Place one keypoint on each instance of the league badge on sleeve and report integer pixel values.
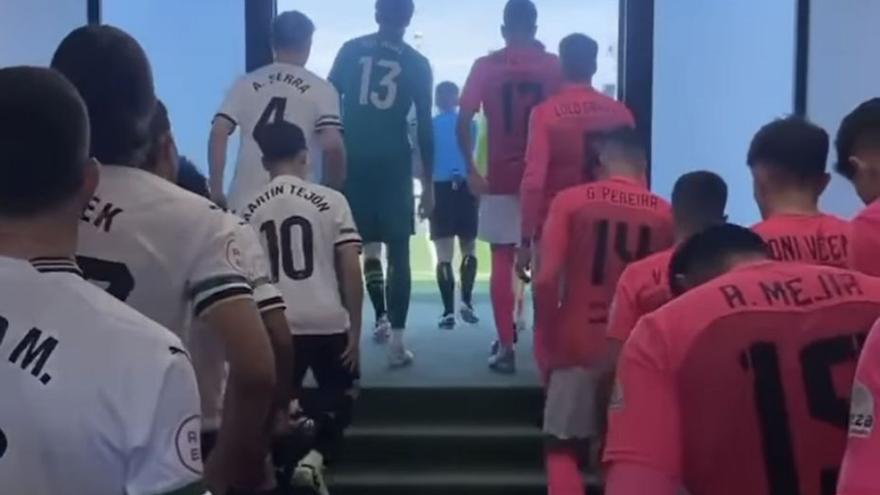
(188, 440)
(234, 256)
(861, 414)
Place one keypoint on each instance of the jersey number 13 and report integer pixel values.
(383, 97)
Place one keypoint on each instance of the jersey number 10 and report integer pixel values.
(281, 247)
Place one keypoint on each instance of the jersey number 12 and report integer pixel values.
(280, 246)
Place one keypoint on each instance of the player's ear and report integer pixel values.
(91, 177)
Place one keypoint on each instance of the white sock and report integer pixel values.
(397, 337)
(314, 459)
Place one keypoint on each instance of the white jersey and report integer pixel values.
(97, 399)
(206, 349)
(302, 225)
(275, 92)
(166, 252)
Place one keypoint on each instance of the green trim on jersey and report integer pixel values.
(197, 488)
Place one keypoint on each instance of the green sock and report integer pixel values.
(375, 278)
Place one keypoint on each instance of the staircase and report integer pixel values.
(443, 441)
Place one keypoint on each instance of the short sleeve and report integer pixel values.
(170, 460)
(266, 295)
(230, 109)
(328, 114)
(858, 475)
(624, 308)
(219, 272)
(472, 94)
(643, 416)
(865, 243)
(346, 231)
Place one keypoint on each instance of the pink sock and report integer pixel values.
(501, 292)
(563, 474)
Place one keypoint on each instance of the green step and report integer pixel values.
(444, 483)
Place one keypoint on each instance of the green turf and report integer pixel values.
(421, 259)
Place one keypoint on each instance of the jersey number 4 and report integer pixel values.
(281, 247)
(383, 97)
(823, 404)
(114, 277)
(273, 113)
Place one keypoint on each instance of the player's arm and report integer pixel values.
(424, 123)
(858, 474)
(224, 124)
(535, 175)
(168, 458)
(644, 432)
(469, 104)
(328, 127)
(337, 74)
(554, 250)
(351, 286)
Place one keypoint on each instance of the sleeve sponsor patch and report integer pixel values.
(861, 414)
(188, 440)
(234, 256)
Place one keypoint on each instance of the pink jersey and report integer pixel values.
(508, 84)
(859, 474)
(560, 151)
(643, 287)
(741, 386)
(818, 239)
(866, 240)
(593, 231)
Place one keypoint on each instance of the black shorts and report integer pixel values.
(455, 211)
(323, 355)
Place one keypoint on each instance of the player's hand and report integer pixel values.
(477, 184)
(351, 357)
(426, 202)
(524, 263)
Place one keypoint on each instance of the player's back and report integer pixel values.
(302, 224)
(642, 288)
(164, 251)
(818, 239)
(82, 381)
(611, 223)
(509, 83)
(379, 81)
(866, 240)
(576, 117)
(761, 361)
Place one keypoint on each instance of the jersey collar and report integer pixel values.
(627, 180)
(56, 265)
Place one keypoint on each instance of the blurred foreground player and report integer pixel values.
(592, 232)
(698, 202)
(455, 210)
(788, 158)
(314, 249)
(166, 252)
(506, 84)
(97, 398)
(380, 78)
(563, 132)
(858, 159)
(281, 91)
(741, 384)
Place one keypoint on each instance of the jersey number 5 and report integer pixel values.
(621, 247)
(823, 404)
(117, 277)
(388, 83)
(273, 113)
(283, 250)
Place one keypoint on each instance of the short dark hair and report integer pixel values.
(447, 87)
(44, 141)
(710, 249)
(394, 13)
(628, 139)
(861, 125)
(793, 146)
(280, 140)
(700, 198)
(160, 125)
(578, 54)
(292, 30)
(189, 178)
(112, 73)
(521, 15)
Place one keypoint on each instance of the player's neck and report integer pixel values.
(289, 59)
(588, 84)
(517, 42)
(392, 35)
(291, 171)
(38, 238)
(792, 204)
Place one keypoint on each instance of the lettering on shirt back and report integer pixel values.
(620, 197)
(100, 214)
(791, 292)
(31, 353)
(314, 198)
(820, 248)
(578, 109)
(291, 80)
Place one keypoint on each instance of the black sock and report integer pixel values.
(375, 278)
(446, 283)
(468, 276)
(399, 286)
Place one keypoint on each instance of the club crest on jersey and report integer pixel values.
(188, 442)
(616, 400)
(234, 256)
(861, 414)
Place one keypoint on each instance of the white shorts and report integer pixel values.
(570, 407)
(500, 219)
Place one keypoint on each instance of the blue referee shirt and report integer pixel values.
(449, 165)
